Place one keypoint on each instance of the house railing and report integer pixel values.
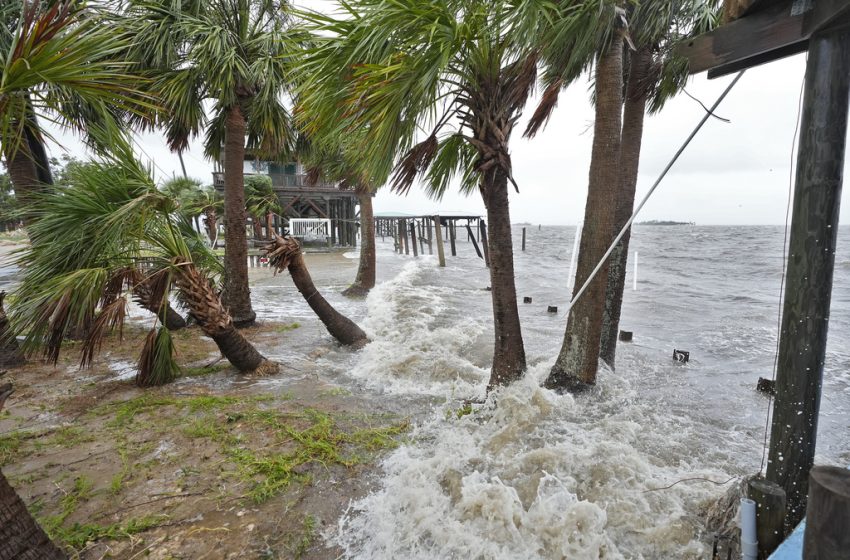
(280, 180)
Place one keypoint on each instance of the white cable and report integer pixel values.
(652, 190)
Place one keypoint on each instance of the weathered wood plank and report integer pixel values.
(775, 31)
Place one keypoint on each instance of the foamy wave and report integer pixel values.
(531, 474)
(414, 348)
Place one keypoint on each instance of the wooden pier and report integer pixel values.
(418, 234)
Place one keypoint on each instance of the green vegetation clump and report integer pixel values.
(79, 535)
(320, 442)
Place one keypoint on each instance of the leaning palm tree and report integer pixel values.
(60, 63)
(285, 254)
(336, 160)
(93, 243)
(654, 74)
(233, 53)
(459, 69)
(21, 538)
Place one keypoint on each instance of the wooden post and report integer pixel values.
(403, 227)
(770, 513)
(441, 255)
(523, 239)
(471, 236)
(413, 238)
(452, 234)
(827, 535)
(811, 260)
(428, 225)
(484, 243)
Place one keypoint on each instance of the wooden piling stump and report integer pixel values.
(441, 255)
(827, 534)
(770, 514)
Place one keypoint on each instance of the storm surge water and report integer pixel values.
(621, 472)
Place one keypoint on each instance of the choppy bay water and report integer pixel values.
(532, 474)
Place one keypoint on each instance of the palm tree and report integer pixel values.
(262, 203)
(285, 254)
(234, 53)
(21, 538)
(334, 160)
(185, 191)
(93, 243)
(460, 68)
(84, 92)
(210, 204)
(655, 74)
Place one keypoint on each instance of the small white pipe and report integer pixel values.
(574, 256)
(634, 276)
(749, 539)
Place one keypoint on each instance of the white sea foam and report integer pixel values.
(531, 474)
(416, 346)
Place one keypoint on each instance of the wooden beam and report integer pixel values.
(315, 207)
(288, 206)
(779, 30)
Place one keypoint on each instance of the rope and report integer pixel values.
(782, 282)
(640, 206)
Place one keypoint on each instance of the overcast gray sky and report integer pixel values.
(732, 173)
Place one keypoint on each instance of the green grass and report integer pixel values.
(308, 533)
(126, 411)
(10, 444)
(200, 371)
(335, 392)
(79, 534)
(310, 438)
(285, 328)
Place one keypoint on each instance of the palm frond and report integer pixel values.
(157, 365)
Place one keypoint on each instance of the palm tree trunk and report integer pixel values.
(28, 166)
(258, 227)
(10, 352)
(22, 172)
(207, 308)
(20, 536)
(212, 224)
(633, 116)
(509, 351)
(366, 270)
(269, 224)
(285, 252)
(236, 295)
(142, 294)
(578, 360)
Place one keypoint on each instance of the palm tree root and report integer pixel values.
(562, 381)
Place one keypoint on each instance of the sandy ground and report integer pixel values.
(215, 465)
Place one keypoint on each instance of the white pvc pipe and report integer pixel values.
(634, 276)
(749, 539)
(574, 256)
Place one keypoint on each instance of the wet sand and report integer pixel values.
(215, 465)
